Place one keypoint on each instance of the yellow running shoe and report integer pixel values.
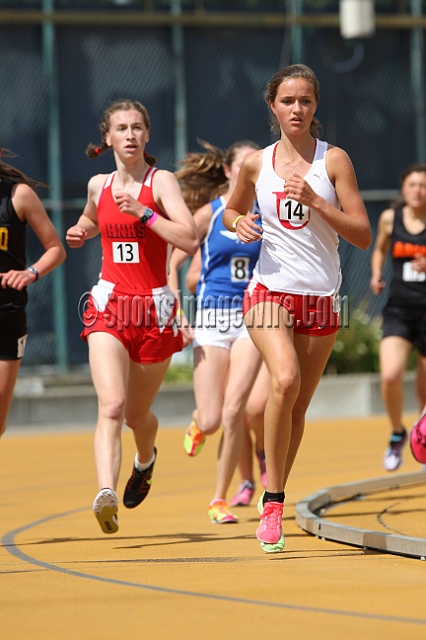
(219, 513)
(193, 440)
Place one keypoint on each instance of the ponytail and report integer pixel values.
(150, 160)
(201, 176)
(94, 151)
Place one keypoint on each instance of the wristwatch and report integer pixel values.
(147, 214)
(34, 271)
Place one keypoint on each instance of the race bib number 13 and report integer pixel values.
(125, 252)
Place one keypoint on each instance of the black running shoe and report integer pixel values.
(138, 485)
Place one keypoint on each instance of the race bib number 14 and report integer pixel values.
(292, 214)
(125, 252)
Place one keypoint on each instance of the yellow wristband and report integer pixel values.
(235, 222)
(180, 312)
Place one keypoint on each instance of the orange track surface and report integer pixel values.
(169, 574)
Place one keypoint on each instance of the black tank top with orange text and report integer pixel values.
(408, 287)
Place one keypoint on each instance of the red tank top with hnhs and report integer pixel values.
(134, 257)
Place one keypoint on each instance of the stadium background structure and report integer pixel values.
(200, 67)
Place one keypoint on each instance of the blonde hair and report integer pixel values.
(201, 173)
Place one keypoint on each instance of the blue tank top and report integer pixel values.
(227, 264)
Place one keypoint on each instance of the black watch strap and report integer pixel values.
(34, 271)
(147, 214)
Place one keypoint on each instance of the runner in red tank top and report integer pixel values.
(129, 320)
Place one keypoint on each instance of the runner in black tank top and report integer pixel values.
(12, 249)
(408, 287)
(19, 206)
(402, 232)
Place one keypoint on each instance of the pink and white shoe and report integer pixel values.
(244, 494)
(269, 532)
(418, 439)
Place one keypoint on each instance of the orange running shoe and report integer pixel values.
(219, 513)
(193, 440)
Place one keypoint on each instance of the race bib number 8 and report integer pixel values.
(125, 252)
(240, 269)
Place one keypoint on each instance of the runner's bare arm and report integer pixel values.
(87, 226)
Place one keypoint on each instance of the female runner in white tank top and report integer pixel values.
(308, 196)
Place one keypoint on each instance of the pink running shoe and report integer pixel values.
(244, 494)
(262, 466)
(269, 532)
(418, 439)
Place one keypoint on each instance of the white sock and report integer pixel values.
(143, 466)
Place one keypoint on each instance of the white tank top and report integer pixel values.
(299, 250)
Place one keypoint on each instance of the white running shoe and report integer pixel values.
(105, 508)
(392, 459)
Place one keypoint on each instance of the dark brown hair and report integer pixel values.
(15, 175)
(292, 71)
(94, 151)
(201, 173)
(417, 167)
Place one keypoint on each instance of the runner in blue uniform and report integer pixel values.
(226, 362)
